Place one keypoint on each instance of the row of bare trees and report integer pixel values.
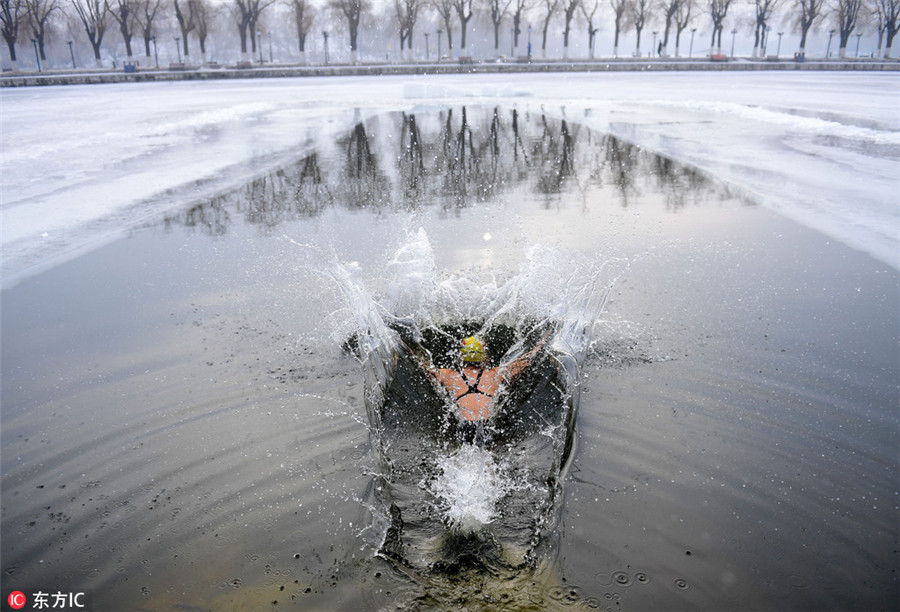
(194, 20)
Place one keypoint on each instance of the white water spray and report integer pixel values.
(469, 486)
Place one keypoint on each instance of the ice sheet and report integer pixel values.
(83, 164)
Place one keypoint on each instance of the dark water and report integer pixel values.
(181, 428)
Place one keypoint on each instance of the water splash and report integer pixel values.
(469, 486)
(505, 491)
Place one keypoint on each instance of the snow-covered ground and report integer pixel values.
(83, 164)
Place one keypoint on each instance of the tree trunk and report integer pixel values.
(544, 40)
(889, 44)
(11, 45)
(242, 30)
(40, 42)
(803, 32)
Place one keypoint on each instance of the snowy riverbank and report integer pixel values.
(255, 71)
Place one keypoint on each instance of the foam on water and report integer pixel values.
(469, 486)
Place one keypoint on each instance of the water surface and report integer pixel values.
(182, 427)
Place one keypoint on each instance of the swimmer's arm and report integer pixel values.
(518, 365)
(423, 357)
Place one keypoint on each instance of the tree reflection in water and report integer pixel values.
(455, 159)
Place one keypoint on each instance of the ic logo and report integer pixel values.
(16, 600)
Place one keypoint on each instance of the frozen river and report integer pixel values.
(186, 266)
(819, 148)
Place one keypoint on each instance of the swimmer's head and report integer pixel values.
(473, 350)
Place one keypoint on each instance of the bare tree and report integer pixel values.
(498, 10)
(620, 12)
(187, 23)
(246, 14)
(204, 12)
(407, 13)
(520, 7)
(303, 20)
(847, 13)
(464, 12)
(568, 14)
(589, 18)
(877, 18)
(808, 12)
(718, 10)
(550, 7)
(144, 14)
(11, 14)
(683, 16)
(39, 12)
(444, 8)
(93, 14)
(123, 12)
(669, 8)
(352, 10)
(764, 9)
(640, 15)
(889, 15)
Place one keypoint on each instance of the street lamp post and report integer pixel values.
(178, 48)
(858, 36)
(72, 53)
(691, 50)
(512, 42)
(426, 46)
(733, 32)
(259, 45)
(529, 43)
(325, 36)
(37, 57)
(778, 53)
(269, 34)
(828, 49)
(155, 51)
(439, 32)
(653, 48)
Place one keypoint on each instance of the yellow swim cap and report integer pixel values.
(473, 350)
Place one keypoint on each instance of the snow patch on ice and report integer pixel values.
(793, 121)
(416, 90)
